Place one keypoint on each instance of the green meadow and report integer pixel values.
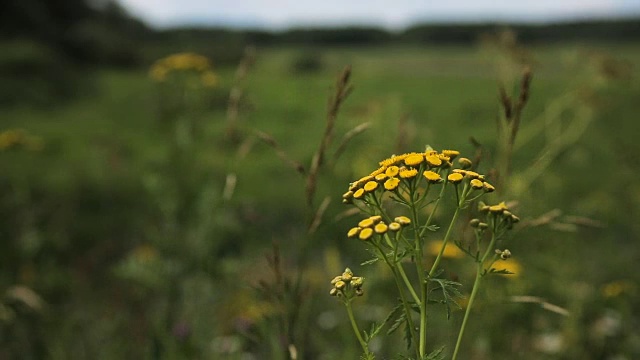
(139, 226)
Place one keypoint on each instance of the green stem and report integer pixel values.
(408, 284)
(474, 291)
(444, 242)
(356, 330)
(403, 298)
(423, 319)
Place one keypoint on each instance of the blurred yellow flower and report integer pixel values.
(616, 288)
(511, 265)
(184, 62)
(451, 251)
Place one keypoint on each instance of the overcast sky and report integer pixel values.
(394, 14)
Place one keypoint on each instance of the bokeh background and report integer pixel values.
(155, 157)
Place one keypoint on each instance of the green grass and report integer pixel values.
(74, 211)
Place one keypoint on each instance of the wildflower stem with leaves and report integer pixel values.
(407, 180)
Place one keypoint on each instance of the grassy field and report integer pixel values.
(120, 225)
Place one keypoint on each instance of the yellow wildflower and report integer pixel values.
(381, 228)
(403, 220)
(358, 194)
(365, 234)
(476, 184)
(353, 232)
(408, 173)
(511, 265)
(394, 226)
(473, 174)
(378, 171)
(392, 171)
(380, 177)
(366, 223)
(432, 177)
(455, 178)
(488, 187)
(451, 251)
(414, 159)
(452, 154)
(433, 160)
(370, 186)
(391, 183)
(465, 163)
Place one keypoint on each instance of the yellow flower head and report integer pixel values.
(454, 178)
(366, 223)
(359, 193)
(414, 159)
(375, 218)
(391, 183)
(380, 177)
(403, 220)
(370, 186)
(498, 209)
(394, 226)
(340, 285)
(381, 228)
(395, 159)
(451, 154)
(476, 184)
(473, 174)
(378, 171)
(433, 160)
(432, 177)
(353, 232)
(488, 187)
(408, 173)
(392, 171)
(365, 234)
(347, 195)
(465, 163)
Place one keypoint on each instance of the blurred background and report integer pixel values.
(158, 199)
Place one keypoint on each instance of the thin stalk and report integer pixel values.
(403, 298)
(472, 297)
(474, 291)
(408, 284)
(423, 284)
(423, 318)
(356, 330)
(444, 242)
(461, 200)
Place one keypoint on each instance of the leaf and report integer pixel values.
(396, 324)
(450, 291)
(375, 328)
(437, 354)
(370, 261)
(407, 335)
(468, 251)
(500, 272)
(433, 227)
(368, 356)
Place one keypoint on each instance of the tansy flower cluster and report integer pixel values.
(347, 285)
(401, 174)
(184, 63)
(374, 225)
(499, 215)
